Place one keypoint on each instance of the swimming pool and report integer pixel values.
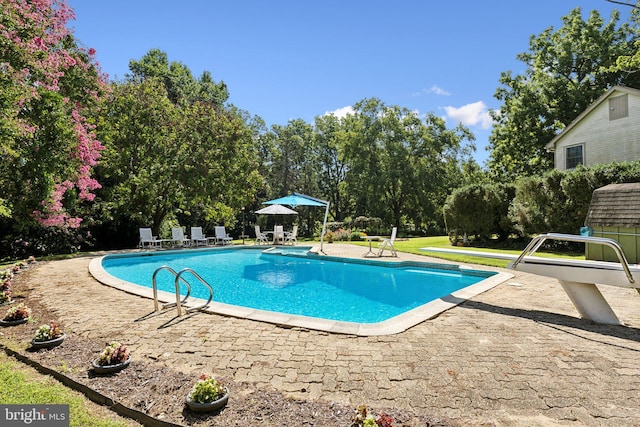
(306, 287)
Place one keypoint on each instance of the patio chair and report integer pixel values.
(178, 238)
(147, 238)
(260, 236)
(278, 234)
(197, 237)
(221, 236)
(388, 243)
(291, 237)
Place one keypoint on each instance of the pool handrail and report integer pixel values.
(155, 289)
(204, 282)
(539, 240)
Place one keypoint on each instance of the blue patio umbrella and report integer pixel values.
(297, 199)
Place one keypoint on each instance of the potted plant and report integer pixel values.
(330, 236)
(5, 293)
(48, 336)
(364, 419)
(16, 315)
(113, 358)
(208, 394)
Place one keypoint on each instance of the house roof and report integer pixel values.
(615, 205)
(552, 144)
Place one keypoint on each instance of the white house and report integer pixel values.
(607, 131)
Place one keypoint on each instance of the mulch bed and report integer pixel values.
(155, 395)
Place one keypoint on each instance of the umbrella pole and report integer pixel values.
(324, 228)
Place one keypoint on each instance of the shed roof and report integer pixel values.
(615, 205)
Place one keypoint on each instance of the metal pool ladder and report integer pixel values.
(179, 279)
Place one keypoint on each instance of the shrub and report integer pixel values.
(356, 236)
(342, 235)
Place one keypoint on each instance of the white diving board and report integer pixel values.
(580, 277)
(577, 277)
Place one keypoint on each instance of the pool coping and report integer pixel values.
(394, 325)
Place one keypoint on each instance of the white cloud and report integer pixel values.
(473, 114)
(340, 112)
(436, 90)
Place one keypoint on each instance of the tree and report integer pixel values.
(624, 4)
(142, 158)
(50, 88)
(400, 167)
(292, 150)
(566, 71)
(166, 160)
(177, 78)
(330, 139)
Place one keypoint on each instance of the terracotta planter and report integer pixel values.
(13, 322)
(216, 405)
(109, 369)
(48, 343)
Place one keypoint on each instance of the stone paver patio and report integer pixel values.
(516, 355)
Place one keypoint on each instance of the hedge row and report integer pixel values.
(556, 202)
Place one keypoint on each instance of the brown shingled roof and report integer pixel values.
(615, 205)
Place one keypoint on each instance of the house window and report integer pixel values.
(618, 107)
(574, 156)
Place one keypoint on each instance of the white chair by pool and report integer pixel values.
(221, 236)
(178, 238)
(388, 243)
(278, 234)
(260, 236)
(291, 237)
(197, 237)
(147, 238)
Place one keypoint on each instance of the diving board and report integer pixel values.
(580, 277)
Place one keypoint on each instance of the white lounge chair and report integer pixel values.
(291, 237)
(388, 243)
(147, 238)
(260, 236)
(197, 237)
(221, 236)
(178, 238)
(278, 234)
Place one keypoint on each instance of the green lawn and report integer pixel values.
(20, 384)
(413, 246)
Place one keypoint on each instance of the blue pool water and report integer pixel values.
(360, 291)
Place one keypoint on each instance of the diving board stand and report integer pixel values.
(580, 277)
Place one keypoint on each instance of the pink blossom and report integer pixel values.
(40, 61)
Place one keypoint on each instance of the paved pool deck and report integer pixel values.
(515, 355)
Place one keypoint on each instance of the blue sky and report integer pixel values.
(284, 60)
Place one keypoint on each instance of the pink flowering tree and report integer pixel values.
(51, 91)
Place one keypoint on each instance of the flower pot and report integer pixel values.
(209, 406)
(109, 369)
(48, 343)
(13, 322)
